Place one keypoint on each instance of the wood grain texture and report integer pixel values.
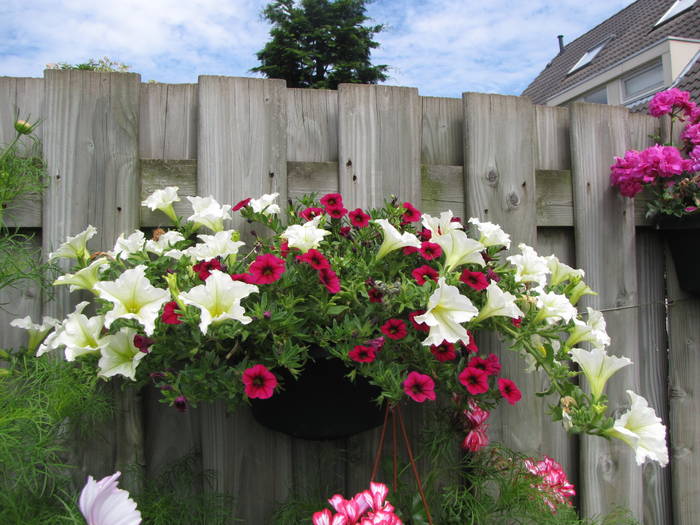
(242, 148)
(553, 149)
(312, 177)
(442, 131)
(653, 364)
(499, 183)
(312, 125)
(379, 144)
(443, 189)
(91, 150)
(168, 123)
(605, 249)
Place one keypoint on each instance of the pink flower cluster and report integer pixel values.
(366, 508)
(475, 420)
(553, 484)
(663, 103)
(637, 168)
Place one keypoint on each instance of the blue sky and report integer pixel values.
(442, 47)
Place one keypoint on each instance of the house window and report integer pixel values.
(587, 57)
(678, 7)
(643, 81)
(599, 96)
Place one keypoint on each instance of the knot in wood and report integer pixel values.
(513, 200)
(492, 176)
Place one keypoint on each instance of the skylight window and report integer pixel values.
(678, 7)
(587, 57)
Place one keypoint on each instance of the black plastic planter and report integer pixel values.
(322, 404)
(683, 237)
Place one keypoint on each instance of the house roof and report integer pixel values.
(628, 32)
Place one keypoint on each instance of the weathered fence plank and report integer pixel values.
(499, 180)
(312, 125)
(442, 131)
(379, 144)
(168, 124)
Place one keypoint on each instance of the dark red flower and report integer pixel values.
(425, 234)
(243, 277)
(337, 213)
(284, 249)
(345, 231)
(377, 343)
(204, 268)
(491, 275)
(156, 375)
(430, 250)
(266, 269)
(475, 280)
(475, 440)
(241, 204)
(471, 346)
(362, 354)
(419, 387)
(444, 351)
(474, 380)
(332, 200)
(358, 218)
(142, 342)
(169, 316)
(421, 327)
(309, 213)
(180, 403)
(411, 214)
(259, 382)
(408, 250)
(375, 296)
(478, 362)
(315, 259)
(394, 329)
(516, 322)
(493, 365)
(329, 279)
(422, 273)
(509, 391)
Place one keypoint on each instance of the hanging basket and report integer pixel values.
(683, 237)
(322, 403)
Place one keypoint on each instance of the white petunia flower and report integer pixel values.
(598, 367)
(134, 297)
(75, 247)
(103, 503)
(305, 236)
(164, 241)
(221, 244)
(491, 234)
(499, 304)
(163, 200)
(84, 279)
(459, 249)
(219, 299)
(642, 430)
(207, 212)
(120, 355)
(37, 332)
(265, 204)
(440, 226)
(561, 272)
(447, 308)
(554, 307)
(529, 267)
(393, 239)
(130, 245)
(593, 330)
(80, 334)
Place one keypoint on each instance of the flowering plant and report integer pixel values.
(669, 171)
(394, 294)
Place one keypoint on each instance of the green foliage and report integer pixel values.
(320, 44)
(104, 64)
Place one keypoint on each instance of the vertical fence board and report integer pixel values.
(154, 99)
(553, 149)
(379, 144)
(442, 131)
(653, 364)
(168, 124)
(8, 108)
(605, 249)
(312, 125)
(499, 180)
(91, 150)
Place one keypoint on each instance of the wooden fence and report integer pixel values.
(540, 172)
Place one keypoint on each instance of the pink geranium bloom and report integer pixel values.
(509, 390)
(332, 200)
(266, 269)
(394, 329)
(475, 440)
(421, 327)
(419, 387)
(691, 134)
(474, 380)
(204, 268)
(309, 213)
(315, 259)
(412, 214)
(663, 102)
(422, 273)
(362, 354)
(329, 279)
(358, 218)
(241, 204)
(430, 250)
(104, 503)
(475, 280)
(444, 351)
(259, 382)
(169, 316)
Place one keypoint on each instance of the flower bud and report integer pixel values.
(23, 127)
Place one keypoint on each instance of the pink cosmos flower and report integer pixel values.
(554, 485)
(358, 218)
(509, 390)
(329, 279)
(104, 503)
(332, 200)
(394, 329)
(309, 213)
(375, 296)
(475, 280)
(474, 380)
(445, 351)
(412, 214)
(259, 382)
(315, 259)
(421, 327)
(419, 387)
(169, 316)
(267, 269)
(430, 250)
(204, 268)
(422, 272)
(362, 354)
(241, 204)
